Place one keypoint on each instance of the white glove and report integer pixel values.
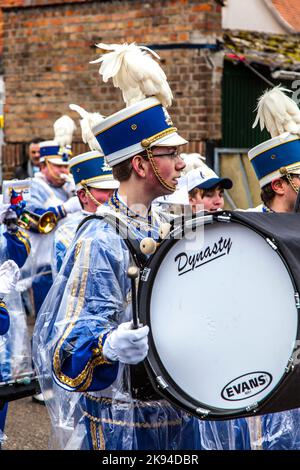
(4, 211)
(72, 205)
(9, 276)
(127, 345)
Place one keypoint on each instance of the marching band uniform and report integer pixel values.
(9, 274)
(86, 319)
(47, 197)
(14, 246)
(89, 170)
(273, 159)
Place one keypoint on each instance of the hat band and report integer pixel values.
(149, 140)
(133, 129)
(271, 160)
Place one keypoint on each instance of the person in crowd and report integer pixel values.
(52, 191)
(276, 161)
(95, 185)
(206, 189)
(84, 332)
(32, 163)
(14, 250)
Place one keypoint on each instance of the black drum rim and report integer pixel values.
(154, 366)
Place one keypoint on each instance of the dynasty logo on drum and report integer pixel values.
(246, 386)
(188, 263)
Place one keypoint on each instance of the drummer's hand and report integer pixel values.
(127, 345)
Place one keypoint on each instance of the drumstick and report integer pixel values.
(133, 274)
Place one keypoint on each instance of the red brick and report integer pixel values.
(205, 7)
(47, 54)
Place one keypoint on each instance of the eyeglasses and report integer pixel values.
(172, 155)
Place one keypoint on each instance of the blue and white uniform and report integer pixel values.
(63, 238)
(90, 297)
(37, 271)
(15, 350)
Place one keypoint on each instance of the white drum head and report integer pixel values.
(223, 317)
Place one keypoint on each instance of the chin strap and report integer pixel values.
(163, 182)
(89, 194)
(146, 144)
(284, 172)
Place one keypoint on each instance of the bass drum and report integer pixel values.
(220, 302)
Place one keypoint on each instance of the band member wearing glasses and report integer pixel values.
(84, 331)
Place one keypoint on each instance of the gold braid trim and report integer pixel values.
(3, 304)
(89, 194)
(163, 182)
(93, 431)
(135, 403)
(160, 424)
(24, 239)
(97, 361)
(284, 172)
(97, 437)
(71, 318)
(147, 142)
(87, 374)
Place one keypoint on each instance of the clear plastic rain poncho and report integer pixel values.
(37, 270)
(15, 349)
(90, 399)
(15, 355)
(63, 237)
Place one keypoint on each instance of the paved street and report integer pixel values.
(27, 426)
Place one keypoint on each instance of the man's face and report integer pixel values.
(169, 165)
(34, 154)
(101, 195)
(212, 199)
(53, 173)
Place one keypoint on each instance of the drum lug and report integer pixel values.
(252, 407)
(202, 412)
(272, 244)
(145, 274)
(290, 365)
(161, 382)
(224, 218)
(297, 299)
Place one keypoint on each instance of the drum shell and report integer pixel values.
(286, 394)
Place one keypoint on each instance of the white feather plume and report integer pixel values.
(133, 70)
(88, 121)
(192, 161)
(277, 112)
(64, 128)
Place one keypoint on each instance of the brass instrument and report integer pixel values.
(44, 223)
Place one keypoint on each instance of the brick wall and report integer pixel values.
(47, 49)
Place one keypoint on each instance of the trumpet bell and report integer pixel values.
(43, 224)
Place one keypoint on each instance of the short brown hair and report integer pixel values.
(122, 171)
(194, 191)
(202, 191)
(267, 194)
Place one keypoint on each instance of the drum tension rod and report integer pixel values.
(223, 218)
(297, 299)
(133, 273)
(252, 407)
(272, 244)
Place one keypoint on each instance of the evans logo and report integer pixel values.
(246, 386)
